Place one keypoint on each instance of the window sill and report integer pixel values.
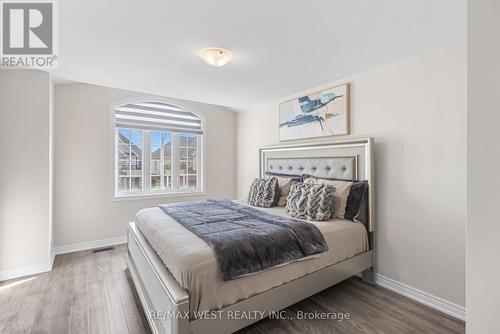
(138, 197)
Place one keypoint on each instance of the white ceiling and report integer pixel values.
(281, 46)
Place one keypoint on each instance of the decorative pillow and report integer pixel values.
(264, 192)
(284, 183)
(342, 189)
(310, 201)
(355, 198)
(297, 177)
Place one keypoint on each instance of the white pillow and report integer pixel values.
(285, 183)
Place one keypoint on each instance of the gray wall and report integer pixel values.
(25, 180)
(483, 228)
(83, 210)
(416, 111)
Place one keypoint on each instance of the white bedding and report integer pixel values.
(193, 264)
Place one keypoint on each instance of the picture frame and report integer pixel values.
(320, 114)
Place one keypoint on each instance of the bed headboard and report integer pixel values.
(350, 159)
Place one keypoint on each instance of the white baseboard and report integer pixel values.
(27, 271)
(422, 297)
(81, 246)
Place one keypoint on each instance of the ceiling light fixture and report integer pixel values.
(215, 56)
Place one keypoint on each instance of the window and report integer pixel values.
(158, 150)
(129, 160)
(188, 151)
(161, 160)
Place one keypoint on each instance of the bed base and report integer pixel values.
(160, 294)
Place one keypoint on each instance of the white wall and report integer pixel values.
(83, 210)
(416, 111)
(51, 167)
(25, 206)
(483, 228)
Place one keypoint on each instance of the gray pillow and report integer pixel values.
(355, 198)
(264, 192)
(310, 201)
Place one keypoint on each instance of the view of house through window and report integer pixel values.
(188, 161)
(129, 160)
(161, 160)
(157, 158)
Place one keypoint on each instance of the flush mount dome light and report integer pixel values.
(215, 56)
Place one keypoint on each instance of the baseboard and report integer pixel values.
(81, 246)
(26, 271)
(422, 297)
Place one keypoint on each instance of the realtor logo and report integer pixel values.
(28, 32)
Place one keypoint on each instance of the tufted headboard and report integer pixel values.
(346, 159)
(339, 167)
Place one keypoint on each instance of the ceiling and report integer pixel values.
(281, 47)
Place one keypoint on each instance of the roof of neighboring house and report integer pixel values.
(134, 148)
(168, 151)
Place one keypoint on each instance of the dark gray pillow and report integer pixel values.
(294, 177)
(264, 192)
(310, 201)
(355, 199)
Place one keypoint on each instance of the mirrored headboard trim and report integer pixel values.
(295, 151)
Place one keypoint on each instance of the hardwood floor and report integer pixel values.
(92, 293)
(86, 292)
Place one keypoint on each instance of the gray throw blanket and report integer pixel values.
(246, 240)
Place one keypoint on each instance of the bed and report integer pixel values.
(175, 272)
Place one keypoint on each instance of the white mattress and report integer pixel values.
(192, 262)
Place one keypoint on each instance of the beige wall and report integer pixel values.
(25, 217)
(416, 111)
(483, 228)
(83, 210)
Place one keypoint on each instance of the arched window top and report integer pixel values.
(157, 116)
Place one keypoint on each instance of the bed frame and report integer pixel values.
(166, 303)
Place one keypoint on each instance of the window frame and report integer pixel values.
(147, 192)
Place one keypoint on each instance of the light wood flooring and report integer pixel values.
(92, 293)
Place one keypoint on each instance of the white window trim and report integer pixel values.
(155, 194)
